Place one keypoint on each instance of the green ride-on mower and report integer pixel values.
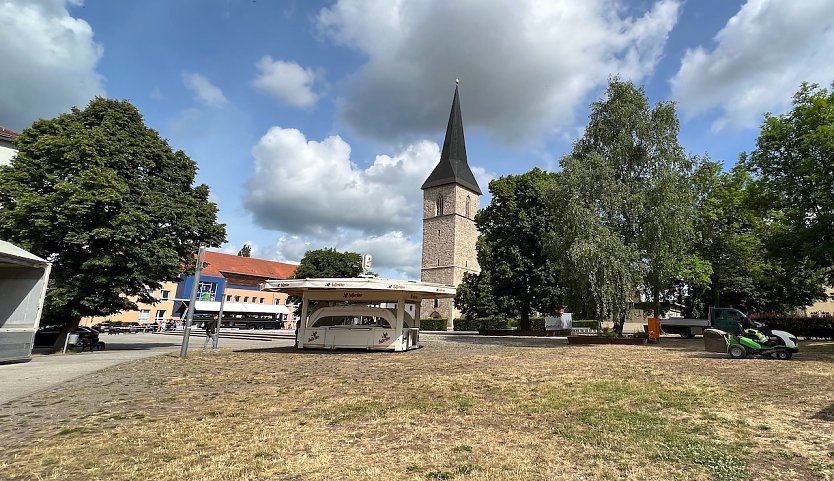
(753, 340)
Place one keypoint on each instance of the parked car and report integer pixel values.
(47, 335)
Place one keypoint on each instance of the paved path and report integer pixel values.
(49, 370)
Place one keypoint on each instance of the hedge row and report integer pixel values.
(536, 324)
(432, 324)
(818, 327)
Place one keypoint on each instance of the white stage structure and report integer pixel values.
(359, 313)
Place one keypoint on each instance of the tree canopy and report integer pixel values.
(109, 203)
(329, 263)
(245, 251)
(623, 204)
(515, 269)
(793, 166)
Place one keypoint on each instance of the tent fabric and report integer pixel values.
(11, 254)
(425, 290)
(240, 307)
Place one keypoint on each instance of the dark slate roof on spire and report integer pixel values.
(453, 167)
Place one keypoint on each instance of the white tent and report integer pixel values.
(240, 308)
(23, 281)
(354, 312)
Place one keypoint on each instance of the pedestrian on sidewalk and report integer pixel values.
(211, 334)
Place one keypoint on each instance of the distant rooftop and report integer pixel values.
(7, 134)
(219, 263)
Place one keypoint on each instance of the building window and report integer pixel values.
(160, 315)
(228, 298)
(144, 314)
(276, 301)
(237, 298)
(438, 262)
(262, 300)
(164, 295)
(438, 232)
(439, 205)
(465, 263)
(246, 299)
(467, 206)
(207, 291)
(436, 303)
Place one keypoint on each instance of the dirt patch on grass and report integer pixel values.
(461, 408)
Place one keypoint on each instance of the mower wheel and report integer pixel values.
(737, 351)
(783, 354)
(686, 333)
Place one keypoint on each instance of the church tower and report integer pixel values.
(451, 198)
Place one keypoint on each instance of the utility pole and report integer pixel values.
(190, 315)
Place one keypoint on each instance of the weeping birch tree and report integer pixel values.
(624, 204)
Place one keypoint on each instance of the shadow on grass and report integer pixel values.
(826, 414)
(293, 350)
(510, 341)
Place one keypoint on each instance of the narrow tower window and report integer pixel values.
(439, 205)
(467, 206)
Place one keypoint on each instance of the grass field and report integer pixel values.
(462, 408)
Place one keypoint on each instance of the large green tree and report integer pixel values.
(624, 203)
(514, 229)
(794, 165)
(474, 296)
(329, 263)
(107, 201)
(744, 242)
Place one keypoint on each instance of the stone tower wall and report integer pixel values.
(448, 243)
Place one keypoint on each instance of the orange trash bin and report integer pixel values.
(654, 329)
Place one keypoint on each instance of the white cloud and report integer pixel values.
(524, 66)
(204, 91)
(314, 194)
(392, 252)
(286, 81)
(311, 187)
(156, 94)
(759, 60)
(49, 61)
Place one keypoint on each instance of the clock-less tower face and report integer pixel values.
(449, 236)
(451, 198)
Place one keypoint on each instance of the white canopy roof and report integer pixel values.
(13, 255)
(240, 307)
(423, 290)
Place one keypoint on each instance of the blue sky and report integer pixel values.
(315, 122)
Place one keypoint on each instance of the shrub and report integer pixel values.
(481, 323)
(817, 327)
(431, 324)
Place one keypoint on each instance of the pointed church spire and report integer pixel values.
(453, 167)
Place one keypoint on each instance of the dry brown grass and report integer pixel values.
(468, 409)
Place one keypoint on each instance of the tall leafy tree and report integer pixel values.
(627, 181)
(514, 229)
(245, 251)
(747, 245)
(329, 263)
(109, 203)
(474, 296)
(793, 165)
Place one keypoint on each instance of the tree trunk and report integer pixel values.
(656, 295)
(715, 292)
(619, 322)
(62, 336)
(524, 320)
